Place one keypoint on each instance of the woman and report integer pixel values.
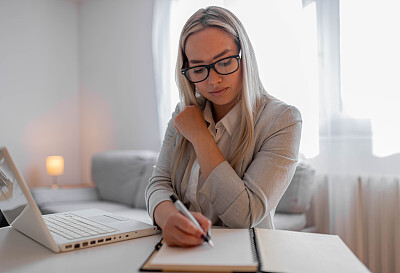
(230, 149)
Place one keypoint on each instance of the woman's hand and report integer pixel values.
(180, 231)
(191, 124)
(177, 229)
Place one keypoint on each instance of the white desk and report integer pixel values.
(18, 253)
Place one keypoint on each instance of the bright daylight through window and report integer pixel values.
(370, 68)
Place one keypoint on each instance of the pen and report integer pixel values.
(181, 207)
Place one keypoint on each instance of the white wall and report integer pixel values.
(76, 78)
(39, 113)
(119, 109)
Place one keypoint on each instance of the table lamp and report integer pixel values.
(55, 167)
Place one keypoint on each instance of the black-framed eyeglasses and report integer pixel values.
(223, 66)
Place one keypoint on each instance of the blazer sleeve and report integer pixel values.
(160, 188)
(245, 202)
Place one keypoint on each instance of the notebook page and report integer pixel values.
(232, 247)
(290, 251)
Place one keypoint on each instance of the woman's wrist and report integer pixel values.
(202, 139)
(162, 211)
(208, 155)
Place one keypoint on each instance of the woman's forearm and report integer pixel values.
(208, 154)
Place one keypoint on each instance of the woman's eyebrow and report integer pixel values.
(215, 57)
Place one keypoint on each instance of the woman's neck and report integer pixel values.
(220, 111)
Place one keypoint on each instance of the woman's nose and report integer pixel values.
(214, 77)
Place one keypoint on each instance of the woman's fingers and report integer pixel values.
(180, 231)
(190, 123)
(204, 222)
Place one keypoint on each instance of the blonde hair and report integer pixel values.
(252, 90)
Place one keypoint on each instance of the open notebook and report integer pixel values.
(258, 250)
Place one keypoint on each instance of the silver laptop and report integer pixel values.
(60, 231)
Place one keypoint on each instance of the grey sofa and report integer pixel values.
(120, 179)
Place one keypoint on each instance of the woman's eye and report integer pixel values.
(225, 62)
(199, 70)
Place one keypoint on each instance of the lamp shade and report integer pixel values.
(55, 165)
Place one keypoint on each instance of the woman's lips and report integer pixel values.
(218, 92)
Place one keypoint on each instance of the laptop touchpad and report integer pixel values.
(108, 218)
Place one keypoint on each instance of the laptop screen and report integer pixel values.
(12, 199)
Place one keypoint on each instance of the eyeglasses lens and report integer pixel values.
(224, 67)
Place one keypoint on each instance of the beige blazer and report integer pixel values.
(226, 198)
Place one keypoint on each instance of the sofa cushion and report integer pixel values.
(297, 197)
(47, 195)
(122, 176)
(290, 221)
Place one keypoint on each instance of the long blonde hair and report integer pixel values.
(252, 90)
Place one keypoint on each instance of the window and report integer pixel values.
(370, 68)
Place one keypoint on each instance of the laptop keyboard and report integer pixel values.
(71, 226)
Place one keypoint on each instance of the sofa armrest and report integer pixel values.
(122, 175)
(45, 196)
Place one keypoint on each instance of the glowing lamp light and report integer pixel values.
(55, 167)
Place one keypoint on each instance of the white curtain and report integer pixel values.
(359, 68)
(162, 66)
(365, 212)
(370, 68)
(359, 87)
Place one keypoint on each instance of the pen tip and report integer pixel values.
(211, 243)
